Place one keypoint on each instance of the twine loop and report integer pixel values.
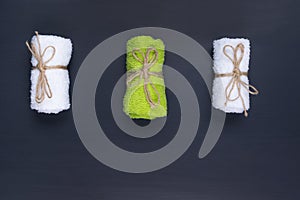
(144, 74)
(42, 86)
(236, 74)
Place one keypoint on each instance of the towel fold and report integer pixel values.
(57, 54)
(145, 96)
(231, 59)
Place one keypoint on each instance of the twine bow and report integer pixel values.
(145, 74)
(236, 74)
(42, 86)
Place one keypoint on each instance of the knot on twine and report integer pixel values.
(144, 74)
(42, 86)
(236, 74)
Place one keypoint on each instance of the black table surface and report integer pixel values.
(42, 157)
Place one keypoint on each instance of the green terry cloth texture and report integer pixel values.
(135, 103)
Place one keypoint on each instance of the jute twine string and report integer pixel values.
(236, 74)
(42, 86)
(144, 74)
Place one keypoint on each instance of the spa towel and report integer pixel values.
(145, 96)
(224, 68)
(57, 78)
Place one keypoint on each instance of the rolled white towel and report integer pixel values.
(50, 91)
(231, 85)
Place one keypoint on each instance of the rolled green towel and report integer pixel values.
(145, 97)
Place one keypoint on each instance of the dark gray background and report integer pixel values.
(42, 157)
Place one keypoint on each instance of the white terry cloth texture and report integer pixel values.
(58, 79)
(223, 64)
